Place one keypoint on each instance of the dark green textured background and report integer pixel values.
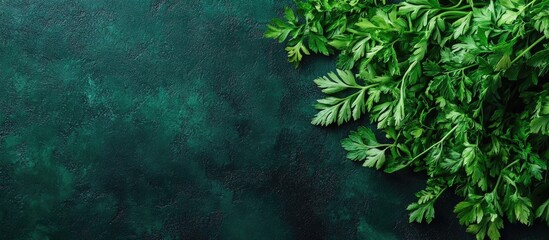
(161, 119)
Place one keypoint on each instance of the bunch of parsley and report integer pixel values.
(458, 87)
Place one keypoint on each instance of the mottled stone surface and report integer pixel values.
(166, 119)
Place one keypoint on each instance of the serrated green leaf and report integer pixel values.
(459, 91)
(542, 212)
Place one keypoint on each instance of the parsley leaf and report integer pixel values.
(460, 89)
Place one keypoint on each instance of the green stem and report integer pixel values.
(528, 49)
(437, 143)
(365, 87)
(501, 175)
(402, 89)
(453, 13)
(381, 145)
(525, 7)
(440, 193)
(362, 88)
(463, 68)
(410, 25)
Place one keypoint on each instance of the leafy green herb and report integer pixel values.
(459, 88)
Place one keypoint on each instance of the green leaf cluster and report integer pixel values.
(459, 87)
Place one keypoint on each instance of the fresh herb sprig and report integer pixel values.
(459, 88)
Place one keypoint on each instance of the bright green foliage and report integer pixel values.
(363, 146)
(460, 89)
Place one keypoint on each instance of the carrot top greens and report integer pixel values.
(459, 88)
